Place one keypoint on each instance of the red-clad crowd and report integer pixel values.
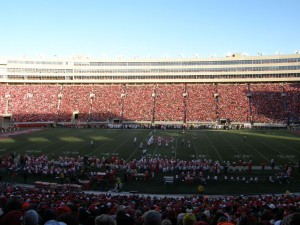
(74, 207)
(169, 102)
(30, 103)
(233, 103)
(106, 102)
(268, 104)
(200, 103)
(138, 102)
(74, 98)
(32, 206)
(257, 102)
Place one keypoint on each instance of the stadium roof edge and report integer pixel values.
(236, 56)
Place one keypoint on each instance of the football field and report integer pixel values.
(222, 145)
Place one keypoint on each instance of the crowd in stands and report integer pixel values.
(30, 103)
(138, 102)
(106, 103)
(169, 102)
(32, 206)
(292, 100)
(233, 103)
(200, 103)
(74, 98)
(268, 103)
(4, 91)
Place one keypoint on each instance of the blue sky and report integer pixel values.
(156, 28)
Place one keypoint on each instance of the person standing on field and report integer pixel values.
(92, 143)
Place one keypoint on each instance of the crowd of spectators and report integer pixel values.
(4, 91)
(74, 98)
(233, 103)
(268, 103)
(30, 103)
(200, 104)
(32, 206)
(292, 100)
(138, 103)
(77, 207)
(169, 102)
(106, 102)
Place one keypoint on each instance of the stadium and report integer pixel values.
(238, 89)
(150, 112)
(157, 126)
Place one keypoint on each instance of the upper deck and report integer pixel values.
(234, 68)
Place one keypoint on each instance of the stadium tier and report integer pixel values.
(75, 207)
(232, 90)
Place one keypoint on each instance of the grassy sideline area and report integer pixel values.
(223, 145)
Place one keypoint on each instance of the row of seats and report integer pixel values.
(269, 102)
(32, 206)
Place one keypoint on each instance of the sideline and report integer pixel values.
(161, 196)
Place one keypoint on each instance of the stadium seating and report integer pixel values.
(73, 206)
(31, 103)
(138, 103)
(233, 103)
(169, 102)
(106, 103)
(75, 98)
(200, 104)
(292, 104)
(268, 103)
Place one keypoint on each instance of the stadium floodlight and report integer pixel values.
(260, 53)
(278, 53)
(296, 51)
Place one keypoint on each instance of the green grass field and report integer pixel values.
(228, 145)
(222, 145)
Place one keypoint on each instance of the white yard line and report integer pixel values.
(136, 149)
(155, 150)
(213, 147)
(268, 146)
(195, 146)
(254, 149)
(293, 149)
(228, 142)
